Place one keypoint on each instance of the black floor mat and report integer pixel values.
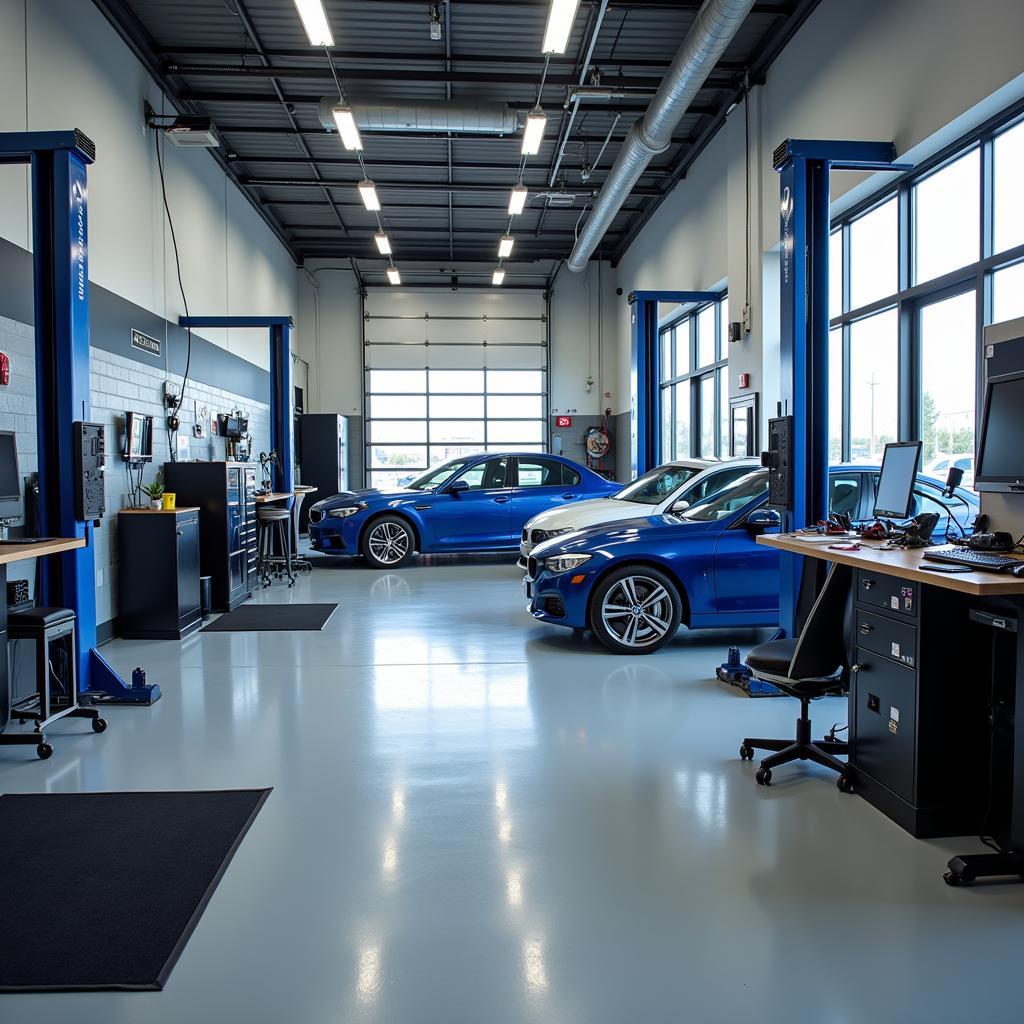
(102, 890)
(258, 617)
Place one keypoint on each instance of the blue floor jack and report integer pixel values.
(735, 673)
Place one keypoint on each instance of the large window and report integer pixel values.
(694, 389)
(914, 275)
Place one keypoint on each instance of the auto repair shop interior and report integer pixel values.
(511, 510)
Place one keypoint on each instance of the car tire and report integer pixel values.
(387, 542)
(635, 610)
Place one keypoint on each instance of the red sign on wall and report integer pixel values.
(744, 380)
(563, 421)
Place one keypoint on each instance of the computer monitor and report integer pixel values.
(10, 476)
(1000, 462)
(895, 495)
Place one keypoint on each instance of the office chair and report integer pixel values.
(812, 666)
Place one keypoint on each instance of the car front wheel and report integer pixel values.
(388, 543)
(635, 610)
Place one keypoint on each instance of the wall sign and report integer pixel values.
(146, 343)
(563, 421)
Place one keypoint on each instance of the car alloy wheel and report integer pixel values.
(636, 610)
(388, 543)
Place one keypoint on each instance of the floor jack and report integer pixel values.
(735, 673)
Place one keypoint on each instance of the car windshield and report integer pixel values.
(438, 475)
(727, 501)
(652, 488)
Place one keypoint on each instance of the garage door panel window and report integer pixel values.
(515, 406)
(409, 457)
(456, 406)
(514, 432)
(385, 407)
(398, 431)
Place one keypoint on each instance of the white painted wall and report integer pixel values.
(63, 66)
(917, 72)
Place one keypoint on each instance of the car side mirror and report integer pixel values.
(458, 485)
(763, 519)
(681, 506)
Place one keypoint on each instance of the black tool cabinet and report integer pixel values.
(158, 582)
(917, 710)
(225, 493)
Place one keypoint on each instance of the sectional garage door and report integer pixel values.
(448, 374)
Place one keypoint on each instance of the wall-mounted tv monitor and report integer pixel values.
(1000, 461)
(138, 437)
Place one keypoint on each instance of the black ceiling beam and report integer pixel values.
(397, 231)
(424, 186)
(251, 129)
(500, 206)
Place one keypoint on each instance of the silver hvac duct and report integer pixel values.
(439, 116)
(712, 31)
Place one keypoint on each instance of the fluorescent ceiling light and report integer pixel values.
(505, 246)
(393, 275)
(560, 18)
(383, 244)
(517, 200)
(314, 21)
(369, 193)
(347, 128)
(498, 276)
(533, 133)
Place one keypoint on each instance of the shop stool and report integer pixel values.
(52, 629)
(273, 526)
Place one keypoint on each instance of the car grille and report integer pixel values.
(526, 534)
(531, 568)
(315, 515)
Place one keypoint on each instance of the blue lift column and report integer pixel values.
(282, 394)
(60, 233)
(645, 373)
(804, 167)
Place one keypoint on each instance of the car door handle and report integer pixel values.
(568, 497)
(501, 500)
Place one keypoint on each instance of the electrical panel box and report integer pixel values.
(90, 455)
(778, 460)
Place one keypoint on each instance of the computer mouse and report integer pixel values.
(1018, 570)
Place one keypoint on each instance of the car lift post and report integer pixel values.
(58, 162)
(804, 167)
(282, 395)
(645, 373)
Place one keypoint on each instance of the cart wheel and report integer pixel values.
(746, 753)
(954, 879)
(844, 784)
(44, 750)
(763, 776)
(99, 725)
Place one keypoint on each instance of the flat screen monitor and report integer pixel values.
(10, 476)
(1000, 462)
(895, 495)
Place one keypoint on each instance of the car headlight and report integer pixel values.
(348, 510)
(564, 563)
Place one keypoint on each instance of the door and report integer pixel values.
(542, 484)
(479, 517)
(746, 573)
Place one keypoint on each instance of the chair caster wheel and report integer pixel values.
(763, 776)
(954, 879)
(99, 725)
(746, 753)
(44, 750)
(844, 784)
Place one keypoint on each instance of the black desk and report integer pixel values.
(934, 656)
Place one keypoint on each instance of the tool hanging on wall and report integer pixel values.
(598, 443)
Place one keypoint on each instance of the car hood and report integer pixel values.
(634, 531)
(367, 494)
(579, 515)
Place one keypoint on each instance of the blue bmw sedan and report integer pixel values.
(633, 583)
(474, 503)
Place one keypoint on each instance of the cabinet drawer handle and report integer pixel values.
(858, 668)
(865, 628)
(180, 533)
(867, 584)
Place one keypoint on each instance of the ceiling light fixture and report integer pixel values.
(393, 275)
(560, 20)
(368, 191)
(347, 127)
(505, 246)
(498, 277)
(435, 22)
(533, 133)
(383, 244)
(314, 21)
(517, 201)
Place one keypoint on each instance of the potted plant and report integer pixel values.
(155, 490)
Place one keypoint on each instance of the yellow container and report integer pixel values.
(169, 497)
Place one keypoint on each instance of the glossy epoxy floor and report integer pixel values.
(477, 819)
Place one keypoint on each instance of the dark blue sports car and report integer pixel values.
(634, 583)
(474, 503)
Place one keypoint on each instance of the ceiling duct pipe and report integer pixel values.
(712, 31)
(428, 116)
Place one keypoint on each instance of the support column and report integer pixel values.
(282, 406)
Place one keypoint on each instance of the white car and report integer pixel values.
(654, 493)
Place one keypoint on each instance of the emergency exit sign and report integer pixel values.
(563, 421)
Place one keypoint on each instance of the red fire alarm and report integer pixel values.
(563, 421)
(744, 380)
(5, 368)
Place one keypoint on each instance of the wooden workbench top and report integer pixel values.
(18, 552)
(158, 511)
(899, 562)
(281, 495)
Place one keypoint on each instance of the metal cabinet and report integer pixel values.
(323, 457)
(158, 579)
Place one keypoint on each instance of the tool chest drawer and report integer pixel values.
(886, 635)
(879, 591)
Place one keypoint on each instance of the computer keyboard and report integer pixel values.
(983, 561)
